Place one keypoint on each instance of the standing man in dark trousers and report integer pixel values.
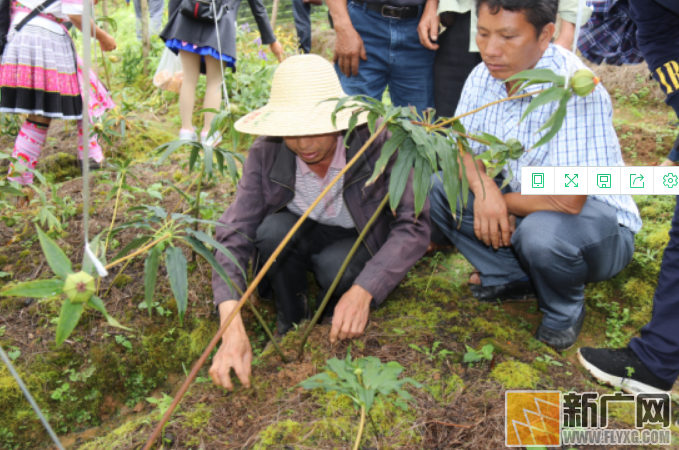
(456, 51)
(654, 355)
(301, 11)
(378, 46)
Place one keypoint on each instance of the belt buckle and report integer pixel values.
(391, 8)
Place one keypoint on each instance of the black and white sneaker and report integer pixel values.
(621, 368)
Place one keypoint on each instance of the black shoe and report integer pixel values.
(561, 340)
(614, 367)
(93, 165)
(516, 291)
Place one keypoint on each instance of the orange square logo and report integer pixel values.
(532, 418)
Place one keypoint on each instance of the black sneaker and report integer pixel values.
(614, 367)
(561, 340)
(516, 291)
(93, 165)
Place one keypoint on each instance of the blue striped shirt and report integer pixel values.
(587, 137)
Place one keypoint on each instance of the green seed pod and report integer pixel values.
(79, 287)
(358, 371)
(584, 82)
(516, 149)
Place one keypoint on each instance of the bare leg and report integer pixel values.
(187, 94)
(213, 93)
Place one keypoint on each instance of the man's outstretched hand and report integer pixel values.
(235, 352)
(351, 314)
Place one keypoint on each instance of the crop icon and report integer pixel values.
(670, 180)
(603, 180)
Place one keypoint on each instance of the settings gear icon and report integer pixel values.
(670, 180)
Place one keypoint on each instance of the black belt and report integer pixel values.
(391, 11)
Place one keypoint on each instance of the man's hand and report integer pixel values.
(106, 41)
(428, 29)
(235, 352)
(348, 49)
(491, 220)
(351, 314)
(277, 49)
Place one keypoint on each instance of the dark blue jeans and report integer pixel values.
(658, 346)
(302, 13)
(561, 252)
(395, 59)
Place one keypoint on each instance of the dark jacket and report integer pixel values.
(205, 35)
(267, 186)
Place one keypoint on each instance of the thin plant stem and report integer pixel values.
(374, 427)
(197, 207)
(359, 434)
(114, 280)
(474, 111)
(138, 252)
(103, 61)
(260, 276)
(113, 221)
(338, 277)
(181, 199)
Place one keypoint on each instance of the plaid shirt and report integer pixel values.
(610, 36)
(587, 137)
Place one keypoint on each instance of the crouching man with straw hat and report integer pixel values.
(299, 152)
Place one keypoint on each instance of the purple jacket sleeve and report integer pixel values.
(240, 221)
(406, 243)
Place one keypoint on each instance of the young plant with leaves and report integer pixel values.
(362, 380)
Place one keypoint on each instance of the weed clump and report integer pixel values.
(515, 375)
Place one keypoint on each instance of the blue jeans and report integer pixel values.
(302, 13)
(658, 345)
(395, 59)
(155, 16)
(561, 252)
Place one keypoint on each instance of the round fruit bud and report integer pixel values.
(358, 371)
(584, 82)
(79, 287)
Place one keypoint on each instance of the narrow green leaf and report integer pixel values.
(150, 276)
(192, 158)
(56, 258)
(68, 319)
(421, 182)
(559, 115)
(400, 173)
(97, 303)
(217, 245)
(372, 120)
(35, 289)
(388, 149)
(353, 120)
(539, 76)
(209, 257)
(177, 272)
(550, 95)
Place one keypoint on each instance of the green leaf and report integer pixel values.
(372, 120)
(536, 76)
(353, 120)
(207, 158)
(35, 289)
(451, 180)
(132, 245)
(68, 319)
(150, 276)
(217, 245)
(209, 257)
(556, 121)
(388, 149)
(56, 258)
(98, 304)
(550, 95)
(400, 173)
(421, 182)
(177, 272)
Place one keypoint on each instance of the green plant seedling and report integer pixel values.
(472, 356)
(432, 353)
(548, 360)
(362, 380)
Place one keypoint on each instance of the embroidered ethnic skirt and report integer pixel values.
(39, 75)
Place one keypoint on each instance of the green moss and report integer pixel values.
(120, 438)
(198, 417)
(279, 434)
(24, 254)
(3, 260)
(494, 329)
(122, 280)
(59, 166)
(202, 335)
(515, 375)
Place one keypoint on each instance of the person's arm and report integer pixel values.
(568, 9)
(348, 44)
(405, 245)
(105, 40)
(428, 29)
(266, 32)
(235, 352)
(521, 206)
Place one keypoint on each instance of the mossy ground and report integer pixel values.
(111, 373)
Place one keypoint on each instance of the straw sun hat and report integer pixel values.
(296, 107)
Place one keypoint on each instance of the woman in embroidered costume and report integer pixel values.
(41, 76)
(203, 47)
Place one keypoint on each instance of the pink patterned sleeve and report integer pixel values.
(72, 7)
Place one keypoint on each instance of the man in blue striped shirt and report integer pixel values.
(536, 246)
